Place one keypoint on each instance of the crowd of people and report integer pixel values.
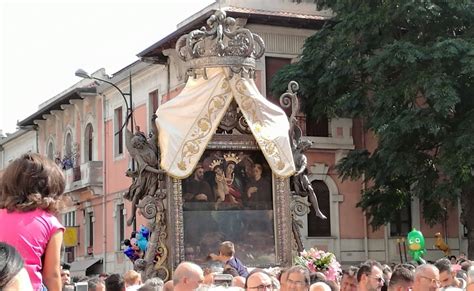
(368, 276)
(444, 274)
(30, 245)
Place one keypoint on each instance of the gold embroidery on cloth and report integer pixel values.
(269, 147)
(201, 130)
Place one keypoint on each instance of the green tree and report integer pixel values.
(406, 68)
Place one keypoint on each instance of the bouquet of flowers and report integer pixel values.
(319, 261)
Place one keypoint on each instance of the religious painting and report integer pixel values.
(229, 196)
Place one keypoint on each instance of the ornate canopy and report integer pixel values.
(221, 62)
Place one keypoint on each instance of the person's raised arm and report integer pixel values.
(52, 258)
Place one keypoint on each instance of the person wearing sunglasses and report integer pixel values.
(370, 276)
(426, 278)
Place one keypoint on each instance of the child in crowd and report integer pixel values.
(132, 280)
(30, 192)
(226, 256)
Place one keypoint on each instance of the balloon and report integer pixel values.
(416, 245)
(144, 231)
(130, 253)
(441, 244)
(142, 243)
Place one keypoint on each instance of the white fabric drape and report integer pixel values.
(187, 122)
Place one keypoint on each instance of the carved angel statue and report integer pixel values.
(147, 175)
(300, 180)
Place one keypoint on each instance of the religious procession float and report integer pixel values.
(223, 162)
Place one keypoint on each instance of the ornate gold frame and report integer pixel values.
(281, 206)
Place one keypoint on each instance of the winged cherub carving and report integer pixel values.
(147, 176)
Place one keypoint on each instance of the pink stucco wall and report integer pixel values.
(451, 224)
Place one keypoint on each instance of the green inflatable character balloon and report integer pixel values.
(416, 245)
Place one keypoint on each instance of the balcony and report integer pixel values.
(88, 175)
(336, 136)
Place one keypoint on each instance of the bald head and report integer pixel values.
(319, 286)
(168, 286)
(258, 279)
(426, 278)
(187, 276)
(425, 269)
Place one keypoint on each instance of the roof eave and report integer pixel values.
(77, 93)
(153, 54)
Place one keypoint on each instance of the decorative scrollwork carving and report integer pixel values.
(147, 207)
(157, 254)
(221, 44)
(299, 206)
(233, 119)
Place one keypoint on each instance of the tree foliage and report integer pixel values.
(406, 68)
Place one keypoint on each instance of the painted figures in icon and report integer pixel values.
(230, 180)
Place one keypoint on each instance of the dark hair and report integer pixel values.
(443, 265)
(280, 274)
(231, 271)
(114, 282)
(31, 182)
(65, 266)
(366, 268)
(11, 264)
(400, 275)
(302, 270)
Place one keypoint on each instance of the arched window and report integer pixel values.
(89, 143)
(50, 152)
(68, 145)
(318, 227)
(67, 160)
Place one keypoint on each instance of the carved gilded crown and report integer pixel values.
(220, 45)
(231, 157)
(215, 163)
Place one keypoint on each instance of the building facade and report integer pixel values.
(13, 145)
(80, 129)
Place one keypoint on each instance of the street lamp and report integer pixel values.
(83, 74)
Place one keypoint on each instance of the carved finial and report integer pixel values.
(220, 45)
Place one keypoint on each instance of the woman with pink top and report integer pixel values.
(30, 191)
